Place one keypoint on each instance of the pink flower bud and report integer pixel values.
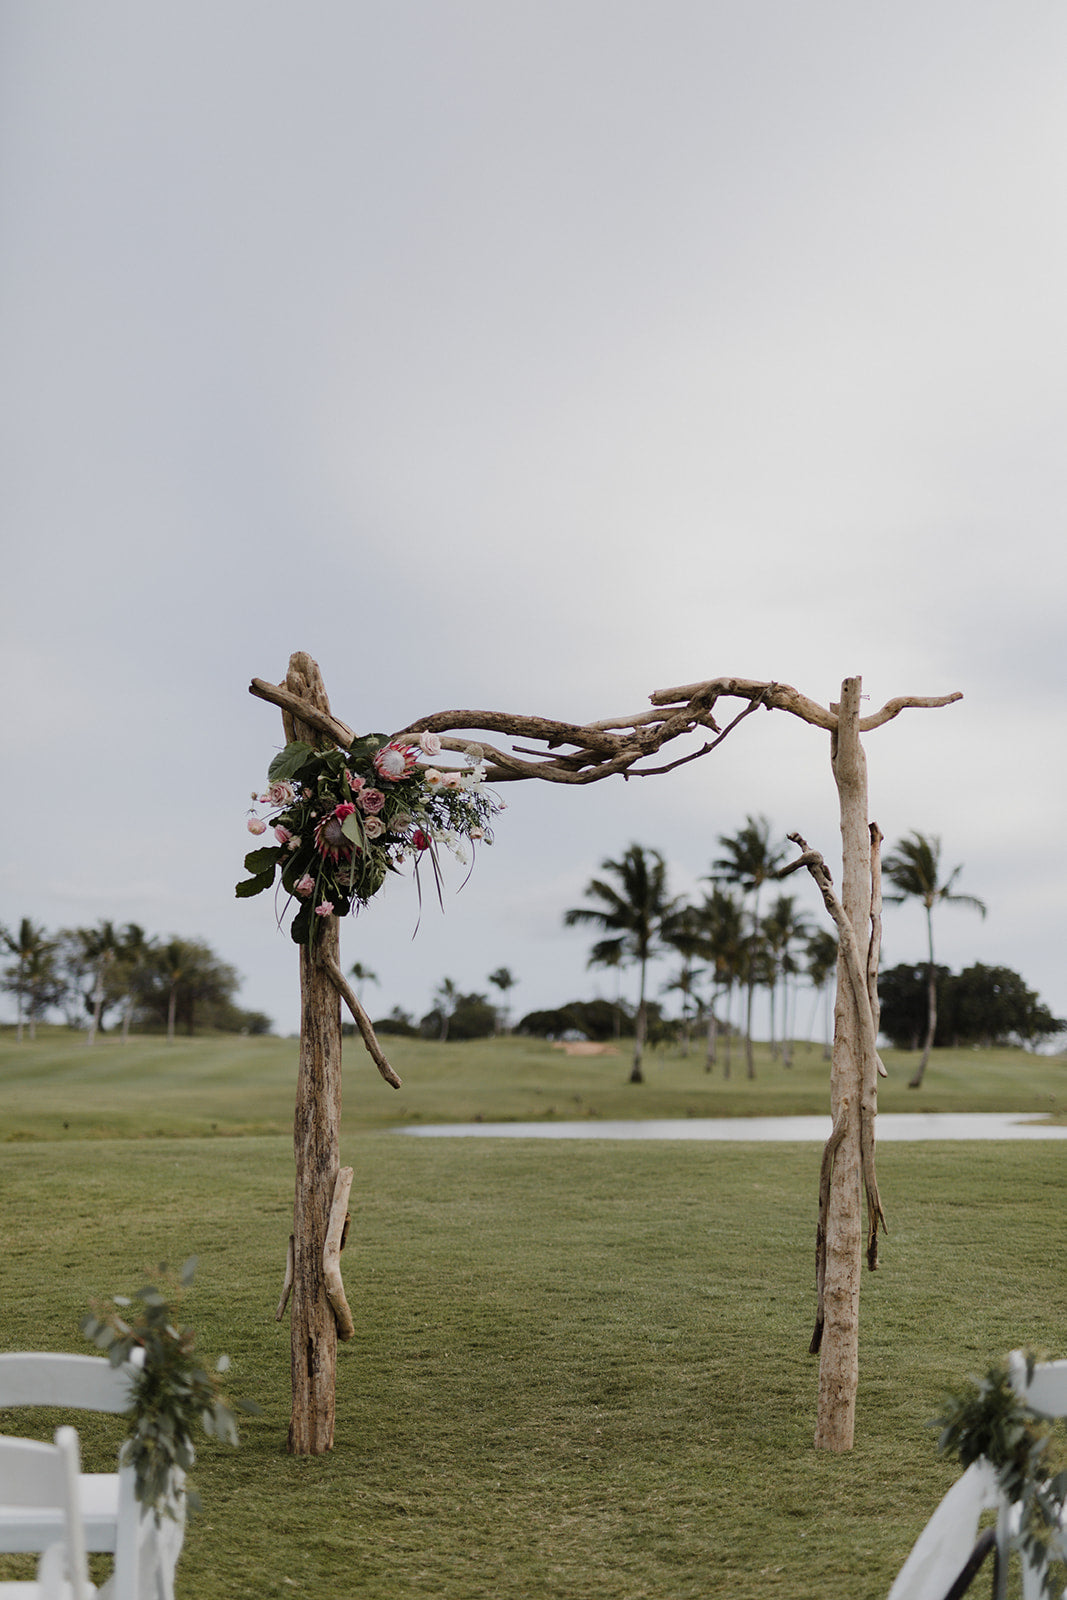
(255, 826)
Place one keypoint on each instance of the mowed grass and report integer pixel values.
(579, 1369)
(57, 1088)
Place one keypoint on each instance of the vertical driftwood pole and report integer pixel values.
(316, 1145)
(839, 1352)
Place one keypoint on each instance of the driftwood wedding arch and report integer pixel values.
(582, 753)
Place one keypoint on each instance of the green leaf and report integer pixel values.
(352, 829)
(287, 762)
(258, 861)
(251, 886)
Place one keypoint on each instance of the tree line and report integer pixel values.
(121, 976)
(733, 941)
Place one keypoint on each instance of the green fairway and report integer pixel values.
(579, 1369)
(56, 1088)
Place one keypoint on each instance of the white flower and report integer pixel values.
(429, 744)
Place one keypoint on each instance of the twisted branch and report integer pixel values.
(585, 752)
(871, 1063)
(362, 1021)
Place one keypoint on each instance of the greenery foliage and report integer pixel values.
(988, 1418)
(344, 819)
(172, 1391)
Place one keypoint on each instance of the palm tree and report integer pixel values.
(635, 912)
(683, 932)
(914, 870)
(781, 929)
(503, 980)
(446, 994)
(723, 922)
(362, 975)
(33, 977)
(100, 946)
(822, 966)
(134, 953)
(748, 861)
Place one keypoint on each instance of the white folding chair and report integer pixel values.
(73, 1383)
(947, 1554)
(40, 1481)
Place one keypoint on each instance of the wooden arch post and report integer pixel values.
(316, 1143)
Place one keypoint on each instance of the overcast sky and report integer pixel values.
(531, 357)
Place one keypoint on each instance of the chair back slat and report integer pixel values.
(1047, 1390)
(36, 1477)
(79, 1383)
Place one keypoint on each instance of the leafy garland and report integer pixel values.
(344, 819)
(172, 1391)
(988, 1418)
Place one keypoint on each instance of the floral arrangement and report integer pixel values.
(344, 819)
(989, 1418)
(172, 1391)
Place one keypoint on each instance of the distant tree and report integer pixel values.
(592, 1019)
(722, 925)
(100, 946)
(134, 955)
(33, 978)
(503, 979)
(447, 997)
(682, 931)
(749, 860)
(397, 1022)
(821, 966)
(982, 1005)
(363, 975)
(914, 870)
(783, 929)
(184, 979)
(634, 909)
(469, 1016)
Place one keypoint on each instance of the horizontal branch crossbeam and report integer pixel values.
(585, 752)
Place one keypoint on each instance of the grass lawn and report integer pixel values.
(578, 1369)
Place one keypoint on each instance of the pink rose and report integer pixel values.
(354, 781)
(255, 826)
(432, 778)
(429, 744)
(281, 793)
(345, 809)
(305, 887)
(371, 801)
(420, 840)
(324, 908)
(395, 761)
(374, 827)
(452, 780)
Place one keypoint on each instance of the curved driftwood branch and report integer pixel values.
(585, 752)
(362, 1021)
(287, 1284)
(826, 1172)
(868, 1033)
(336, 1232)
(906, 702)
(294, 706)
